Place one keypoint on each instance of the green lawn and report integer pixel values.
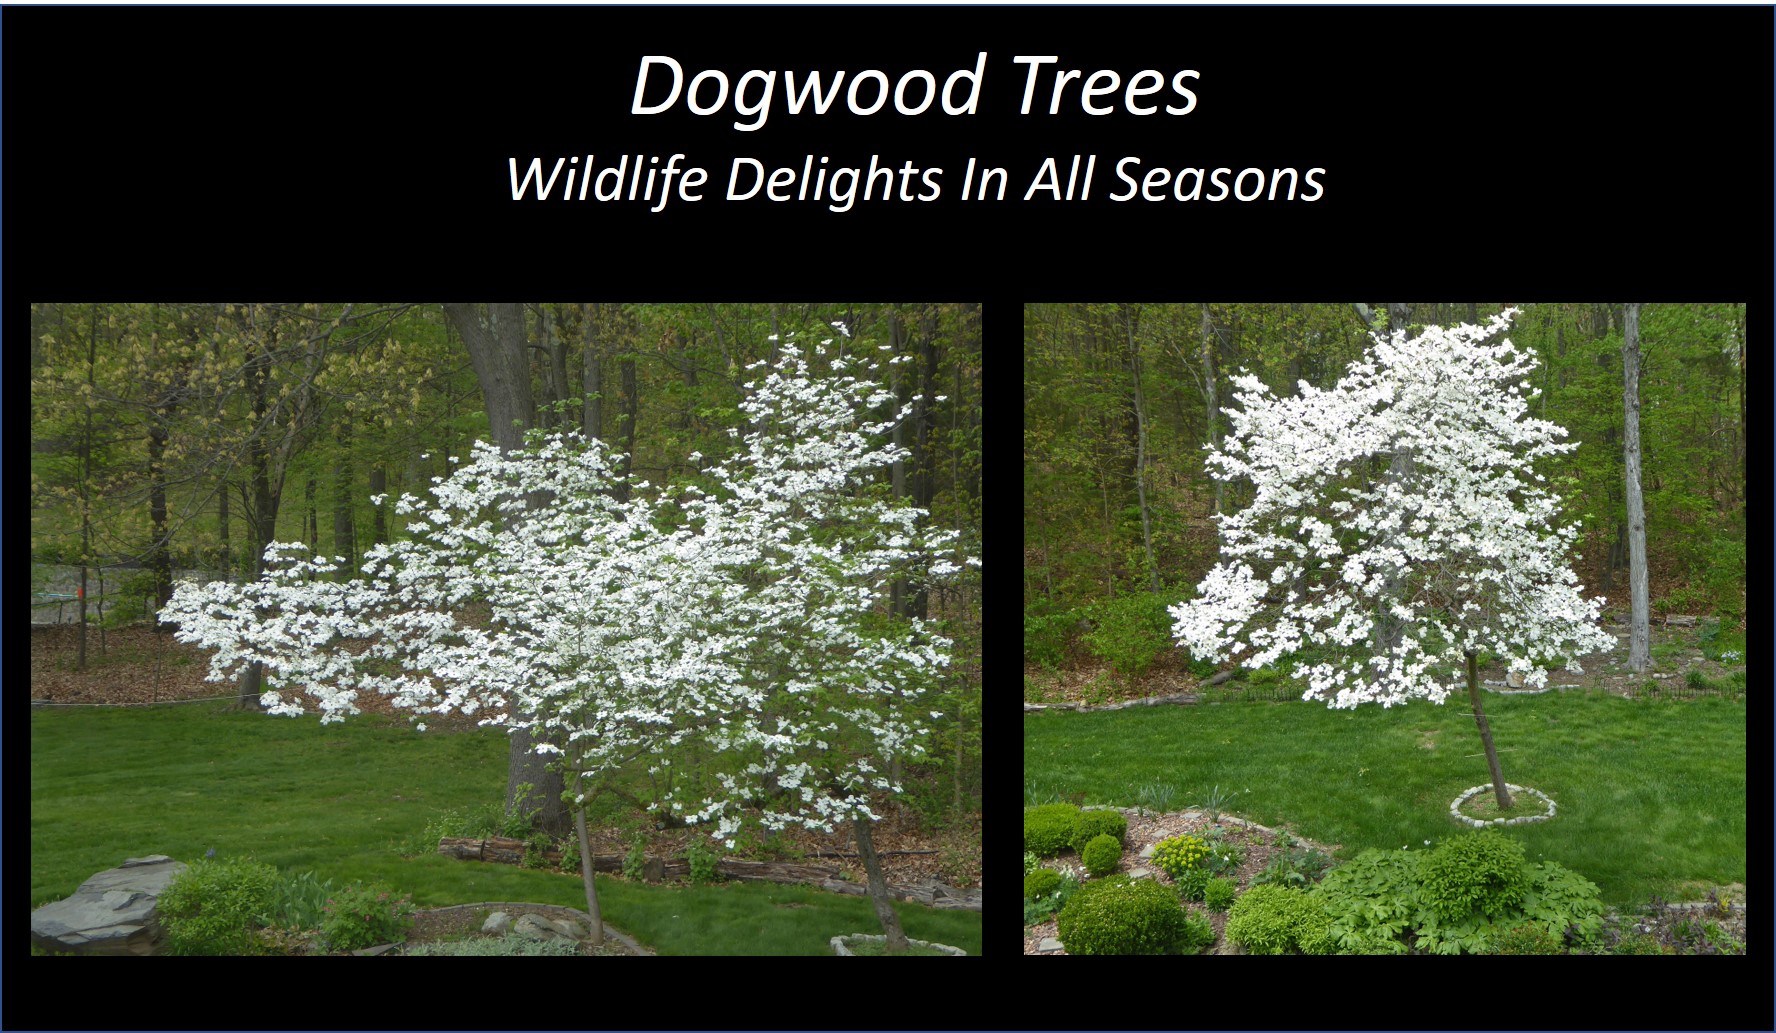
(1651, 795)
(107, 784)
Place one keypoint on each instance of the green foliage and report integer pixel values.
(570, 853)
(702, 860)
(1156, 797)
(1275, 920)
(1225, 857)
(359, 916)
(1120, 915)
(1481, 870)
(1563, 902)
(1041, 882)
(635, 859)
(1214, 803)
(1031, 863)
(1218, 894)
(1102, 855)
(1037, 907)
(1194, 883)
(496, 946)
(1641, 943)
(1372, 900)
(1048, 829)
(1527, 939)
(1179, 854)
(1130, 632)
(297, 901)
(1297, 867)
(1095, 823)
(212, 907)
(1047, 637)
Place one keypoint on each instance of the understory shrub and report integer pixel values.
(1130, 632)
(1047, 637)
(1275, 920)
(1048, 829)
(212, 907)
(1101, 855)
(1178, 854)
(1194, 883)
(1218, 893)
(1119, 915)
(360, 916)
(1095, 823)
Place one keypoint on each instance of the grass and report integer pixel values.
(107, 784)
(1651, 794)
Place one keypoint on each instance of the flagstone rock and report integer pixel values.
(114, 912)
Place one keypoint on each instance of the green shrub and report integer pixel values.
(1178, 854)
(1119, 915)
(1101, 855)
(1041, 882)
(1218, 893)
(1048, 637)
(359, 916)
(1095, 823)
(1527, 939)
(636, 859)
(212, 907)
(1198, 934)
(1481, 870)
(1038, 907)
(1193, 884)
(1130, 632)
(297, 902)
(702, 860)
(1274, 920)
(1048, 829)
(1298, 868)
(1563, 902)
(1031, 862)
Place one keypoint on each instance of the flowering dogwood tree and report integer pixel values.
(737, 620)
(1463, 549)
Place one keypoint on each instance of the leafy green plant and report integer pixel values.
(1048, 637)
(1481, 870)
(1193, 884)
(1048, 829)
(1225, 857)
(1564, 903)
(570, 854)
(1298, 868)
(359, 916)
(1218, 894)
(1274, 920)
(1037, 907)
(1156, 797)
(1119, 915)
(702, 860)
(212, 907)
(1214, 803)
(1641, 943)
(1372, 901)
(1102, 855)
(1095, 823)
(635, 860)
(297, 901)
(1031, 863)
(1176, 855)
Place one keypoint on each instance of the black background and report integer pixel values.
(1511, 153)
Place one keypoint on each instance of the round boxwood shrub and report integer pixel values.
(1093, 824)
(1048, 829)
(1481, 870)
(1275, 920)
(1120, 915)
(1101, 855)
(1041, 882)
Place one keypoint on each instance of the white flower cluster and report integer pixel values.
(1459, 546)
(741, 620)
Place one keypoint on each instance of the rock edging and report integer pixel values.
(1524, 819)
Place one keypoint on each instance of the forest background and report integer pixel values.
(1121, 399)
(179, 439)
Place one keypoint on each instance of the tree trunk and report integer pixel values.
(1388, 628)
(1134, 365)
(495, 340)
(1208, 363)
(1492, 757)
(591, 375)
(897, 471)
(592, 912)
(345, 531)
(878, 888)
(1637, 571)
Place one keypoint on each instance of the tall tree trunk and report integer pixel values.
(379, 518)
(878, 887)
(262, 516)
(897, 471)
(591, 375)
(579, 813)
(1637, 570)
(159, 559)
(924, 413)
(1211, 414)
(345, 532)
(1134, 364)
(631, 412)
(1388, 628)
(1492, 757)
(225, 556)
(495, 340)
